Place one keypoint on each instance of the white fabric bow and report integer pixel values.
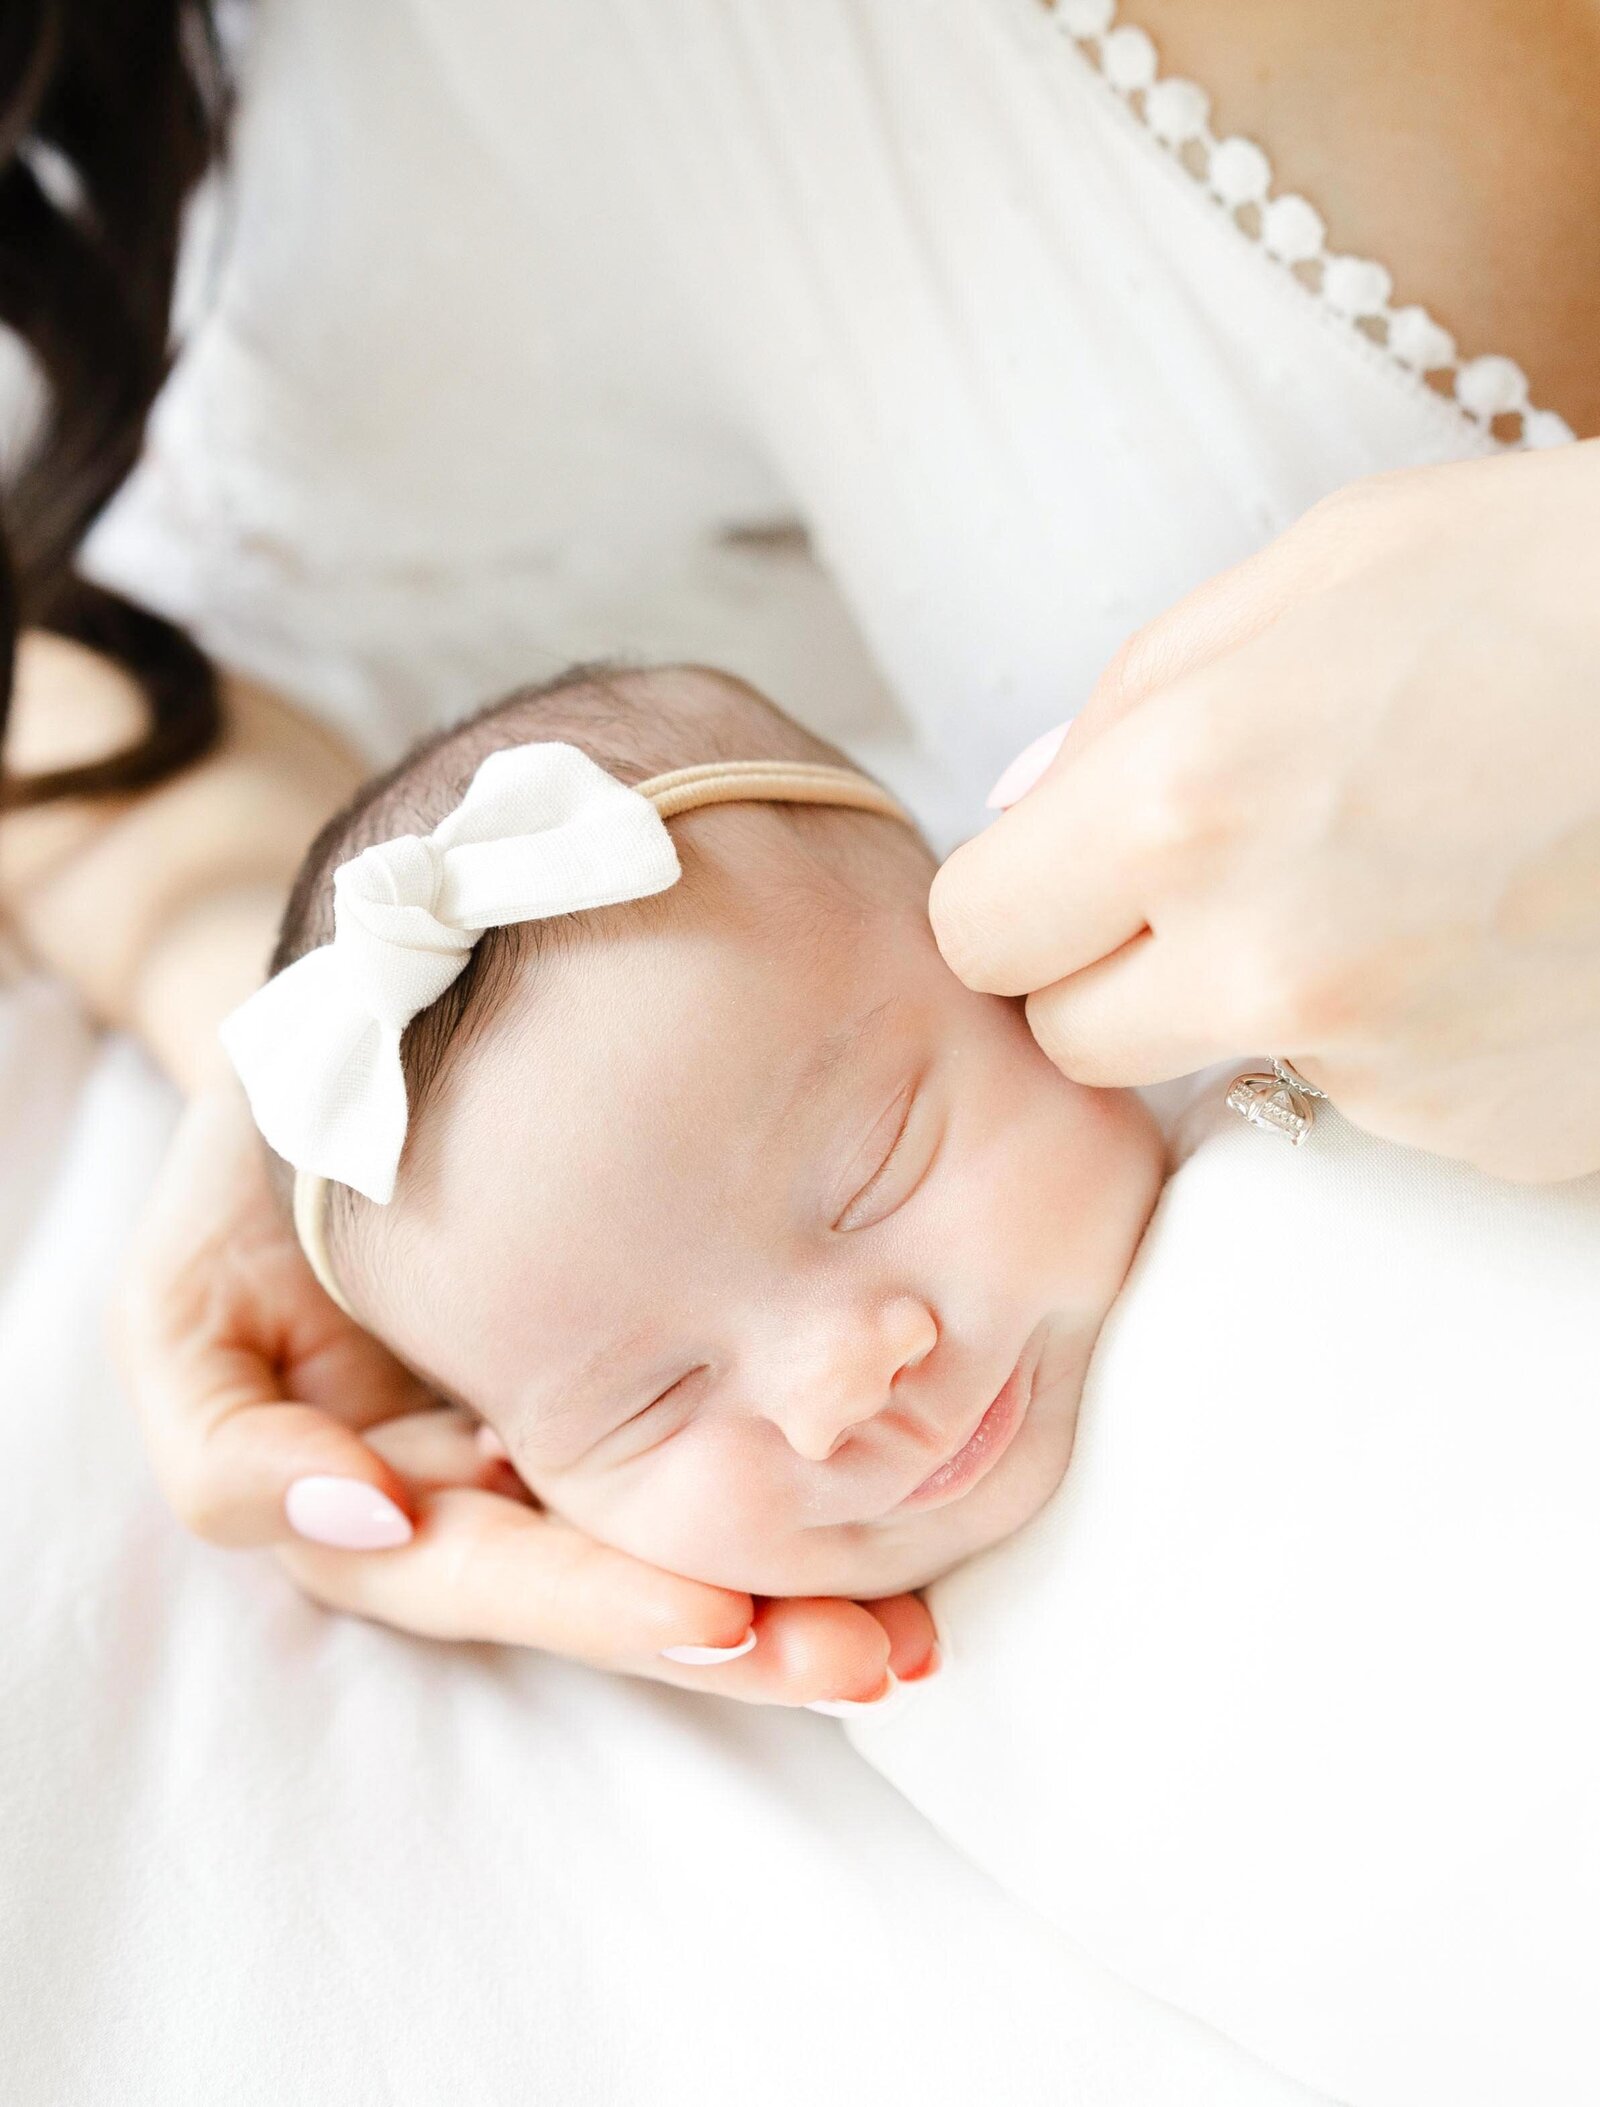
(541, 831)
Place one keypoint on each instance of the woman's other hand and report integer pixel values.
(1341, 804)
(264, 1406)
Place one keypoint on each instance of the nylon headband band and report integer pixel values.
(680, 790)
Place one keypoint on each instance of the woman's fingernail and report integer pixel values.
(1027, 768)
(345, 1512)
(490, 1444)
(709, 1656)
(848, 1707)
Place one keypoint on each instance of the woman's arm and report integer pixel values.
(160, 909)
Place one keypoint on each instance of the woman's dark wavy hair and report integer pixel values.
(110, 112)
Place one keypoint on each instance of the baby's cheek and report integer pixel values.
(1032, 1142)
(1055, 1170)
(707, 1503)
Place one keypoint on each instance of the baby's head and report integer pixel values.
(772, 1253)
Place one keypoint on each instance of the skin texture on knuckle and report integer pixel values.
(1133, 668)
(1181, 817)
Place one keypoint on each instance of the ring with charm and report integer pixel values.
(1280, 1103)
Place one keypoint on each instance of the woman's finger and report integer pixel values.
(439, 1447)
(1063, 877)
(1216, 618)
(267, 1471)
(249, 1383)
(817, 1649)
(239, 1462)
(1126, 1021)
(486, 1568)
(820, 1650)
(913, 1637)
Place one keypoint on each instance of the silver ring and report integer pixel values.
(1295, 1080)
(1280, 1103)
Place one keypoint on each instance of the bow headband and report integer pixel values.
(542, 830)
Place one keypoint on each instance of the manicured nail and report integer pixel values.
(490, 1444)
(709, 1656)
(1026, 769)
(345, 1512)
(930, 1666)
(848, 1707)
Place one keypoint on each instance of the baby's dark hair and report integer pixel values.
(635, 723)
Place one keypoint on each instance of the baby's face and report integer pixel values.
(775, 1260)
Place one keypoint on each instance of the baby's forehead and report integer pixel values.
(666, 1012)
(757, 943)
(650, 1080)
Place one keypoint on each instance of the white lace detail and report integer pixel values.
(1492, 392)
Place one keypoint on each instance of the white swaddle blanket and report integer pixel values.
(1285, 1706)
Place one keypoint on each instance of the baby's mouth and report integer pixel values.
(983, 1447)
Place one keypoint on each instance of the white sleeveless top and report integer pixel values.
(904, 355)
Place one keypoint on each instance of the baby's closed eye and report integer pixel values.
(900, 1166)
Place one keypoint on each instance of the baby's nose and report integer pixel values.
(844, 1375)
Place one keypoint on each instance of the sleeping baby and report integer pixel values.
(620, 1089)
(770, 1253)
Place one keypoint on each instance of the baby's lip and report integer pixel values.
(983, 1445)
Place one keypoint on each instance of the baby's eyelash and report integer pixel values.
(890, 1154)
(660, 1398)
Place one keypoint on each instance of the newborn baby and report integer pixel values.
(771, 1253)
(776, 1257)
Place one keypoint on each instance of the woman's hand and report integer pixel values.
(262, 1401)
(1342, 804)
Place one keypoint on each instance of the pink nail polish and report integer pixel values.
(1017, 780)
(709, 1656)
(345, 1512)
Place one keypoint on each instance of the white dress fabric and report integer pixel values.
(530, 321)
(878, 350)
(1275, 1706)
